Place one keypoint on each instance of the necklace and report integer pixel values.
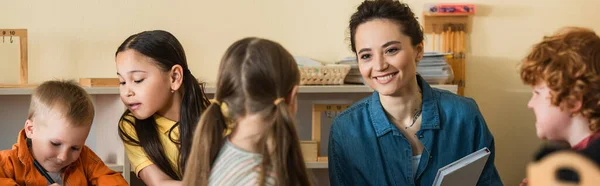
(415, 117)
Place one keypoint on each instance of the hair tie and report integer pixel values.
(278, 100)
(223, 107)
(214, 101)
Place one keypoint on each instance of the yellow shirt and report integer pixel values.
(138, 158)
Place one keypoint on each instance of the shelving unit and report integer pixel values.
(211, 89)
(104, 138)
(433, 24)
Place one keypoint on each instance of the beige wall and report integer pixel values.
(73, 39)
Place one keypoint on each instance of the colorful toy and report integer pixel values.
(460, 9)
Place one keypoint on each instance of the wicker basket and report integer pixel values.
(323, 75)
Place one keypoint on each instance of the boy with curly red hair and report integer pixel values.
(564, 71)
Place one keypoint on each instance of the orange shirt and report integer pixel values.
(16, 168)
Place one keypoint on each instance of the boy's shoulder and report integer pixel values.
(88, 156)
(9, 153)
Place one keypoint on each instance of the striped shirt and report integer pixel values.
(235, 166)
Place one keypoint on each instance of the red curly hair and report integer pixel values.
(569, 63)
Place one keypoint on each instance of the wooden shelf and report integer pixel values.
(29, 90)
(317, 165)
(211, 89)
(115, 167)
(105, 141)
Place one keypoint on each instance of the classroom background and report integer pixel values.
(72, 39)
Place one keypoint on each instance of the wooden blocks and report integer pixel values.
(23, 65)
(458, 68)
(99, 82)
(433, 23)
(310, 150)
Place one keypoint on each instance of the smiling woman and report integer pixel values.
(406, 127)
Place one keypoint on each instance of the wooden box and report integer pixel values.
(310, 150)
(317, 110)
(99, 82)
(7, 35)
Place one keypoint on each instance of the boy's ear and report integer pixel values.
(575, 106)
(29, 128)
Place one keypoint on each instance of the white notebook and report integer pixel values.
(463, 172)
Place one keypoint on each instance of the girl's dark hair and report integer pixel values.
(392, 10)
(167, 52)
(252, 75)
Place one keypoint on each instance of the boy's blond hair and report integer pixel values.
(569, 62)
(66, 97)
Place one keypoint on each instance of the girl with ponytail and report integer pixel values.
(254, 106)
(164, 102)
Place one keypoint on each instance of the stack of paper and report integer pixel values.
(353, 76)
(435, 69)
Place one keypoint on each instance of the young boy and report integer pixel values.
(564, 71)
(53, 142)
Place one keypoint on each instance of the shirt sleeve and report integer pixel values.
(6, 178)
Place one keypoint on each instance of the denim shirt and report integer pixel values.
(365, 148)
